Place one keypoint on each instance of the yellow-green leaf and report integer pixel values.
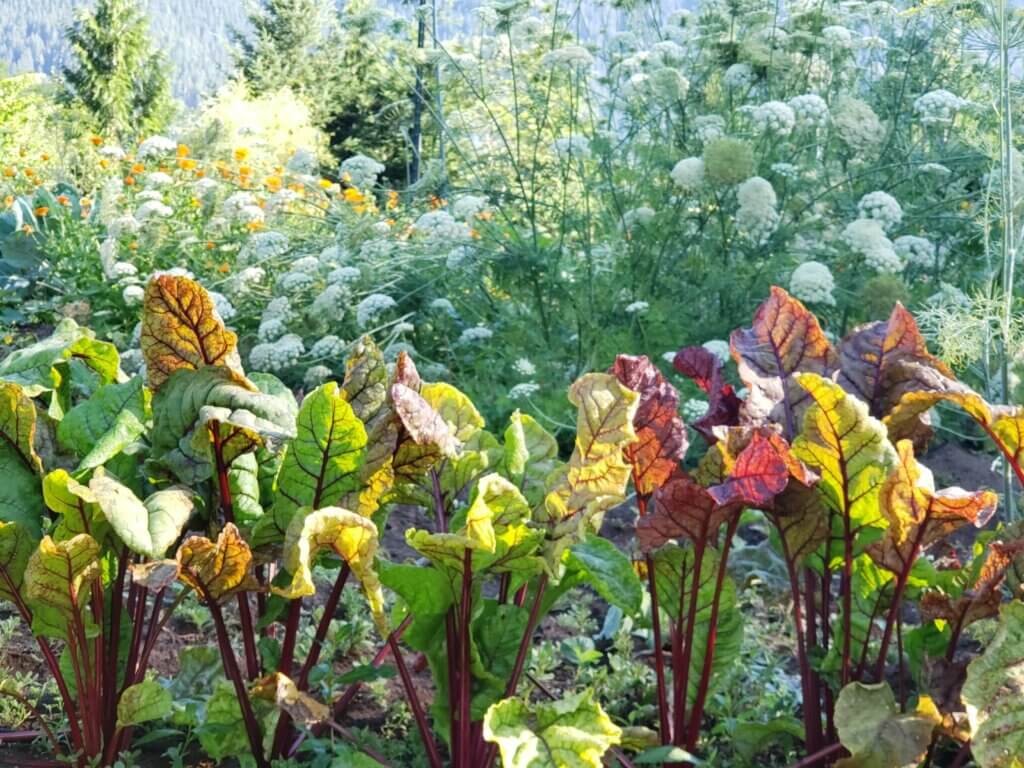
(217, 570)
(149, 527)
(142, 703)
(16, 547)
(876, 734)
(571, 733)
(58, 583)
(76, 505)
(20, 498)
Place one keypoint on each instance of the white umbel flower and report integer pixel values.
(316, 375)
(327, 348)
(372, 307)
(866, 237)
(466, 207)
(881, 207)
(277, 355)
(156, 146)
(361, 171)
(939, 106)
(739, 76)
(688, 174)
(637, 308)
(475, 335)
(915, 250)
(153, 209)
(524, 367)
(524, 391)
(440, 227)
(569, 56)
(810, 110)
(693, 409)
(719, 348)
(812, 282)
(757, 217)
(774, 117)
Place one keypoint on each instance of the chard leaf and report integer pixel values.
(77, 506)
(869, 352)
(784, 340)
(101, 427)
(848, 447)
(876, 734)
(704, 368)
(142, 703)
(58, 580)
(16, 547)
(571, 733)
(178, 409)
(181, 330)
(609, 571)
(915, 388)
(350, 536)
(148, 528)
(222, 731)
(994, 694)
(217, 570)
(919, 515)
(322, 464)
(982, 596)
(530, 455)
(660, 434)
(424, 438)
(34, 367)
(21, 500)
(244, 485)
(597, 474)
(286, 696)
(759, 474)
(682, 510)
(366, 380)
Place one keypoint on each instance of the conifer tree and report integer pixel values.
(115, 74)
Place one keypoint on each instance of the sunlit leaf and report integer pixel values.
(58, 583)
(571, 733)
(530, 454)
(142, 703)
(759, 474)
(34, 367)
(286, 696)
(20, 496)
(982, 597)
(682, 510)
(182, 330)
(16, 546)
(660, 433)
(784, 340)
(99, 428)
(350, 536)
(217, 570)
(77, 506)
(704, 368)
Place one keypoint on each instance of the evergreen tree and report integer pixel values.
(288, 46)
(116, 75)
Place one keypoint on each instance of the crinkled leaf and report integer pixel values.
(847, 446)
(660, 434)
(784, 339)
(994, 694)
(322, 464)
(222, 731)
(571, 733)
(244, 486)
(155, 574)
(217, 570)
(182, 330)
(457, 410)
(424, 435)
(868, 352)
(286, 696)
(178, 414)
(596, 477)
(34, 367)
(58, 583)
(143, 702)
(530, 454)
(704, 368)
(981, 598)
(915, 388)
(759, 474)
(350, 536)
(366, 380)
(918, 515)
(682, 510)
(101, 427)
(148, 528)
(16, 547)
(876, 734)
(236, 432)
(20, 497)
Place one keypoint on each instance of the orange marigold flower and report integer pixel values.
(353, 195)
(133, 246)
(26, 229)
(187, 164)
(44, 157)
(138, 167)
(129, 181)
(273, 183)
(200, 173)
(9, 172)
(41, 211)
(224, 268)
(392, 199)
(96, 140)
(9, 201)
(244, 170)
(29, 172)
(210, 245)
(63, 199)
(255, 226)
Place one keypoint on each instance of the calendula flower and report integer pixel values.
(183, 150)
(240, 154)
(272, 183)
(41, 211)
(96, 140)
(63, 199)
(9, 201)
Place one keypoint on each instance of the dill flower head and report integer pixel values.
(524, 390)
(756, 216)
(133, 295)
(688, 174)
(443, 306)
(812, 282)
(638, 217)
(637, 308)
(222, 305)
(708, 127)
(727, 161)
(261, 246)
(372, 307)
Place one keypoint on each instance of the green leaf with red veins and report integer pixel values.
(784, 340)
(682, 510)
(16, 547)
(660, 434)
(77, 506)
(58, 584)
(982, 596)
(848, 447)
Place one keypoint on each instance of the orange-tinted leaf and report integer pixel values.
(918, 515)
(982, 600)
(660, 434)
(914, 389)
(758, 476)
(785, 339)
(406, 373)
(705, 370)
(217, 570)
(868, 352)
(801, 519)
(682, 509)
(181, 329)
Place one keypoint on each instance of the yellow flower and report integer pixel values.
(26, 229)
(9, 172)
(353, 195)
(138, 168)
(241, 154)
(44, 157)
(326, 183)
(273, 183)
(9, 339)
(9, 201)
(255, 226)
(244, 170)
(183, 150)
(104, 163)
(133, 246)
(41, 211)
(96, 140)
(187, 164)
(195, 202)
(392, 199)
